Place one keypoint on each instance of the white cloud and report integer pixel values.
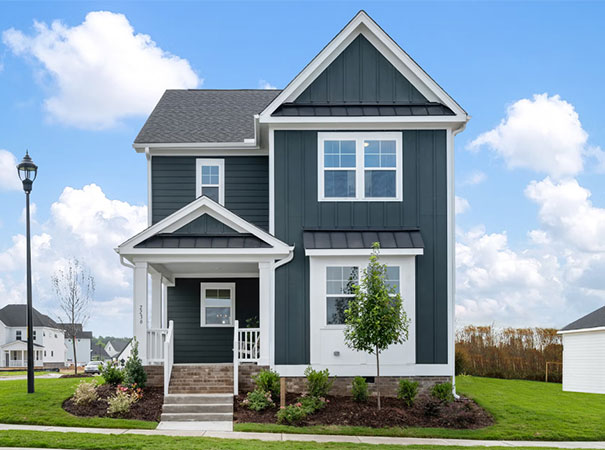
(543, 134)
(9, 179)
(84, 223)
(474, 178)
(101, 71)
(462, 205)
(264, 84)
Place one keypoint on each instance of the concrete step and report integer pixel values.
(198, 399)
(196, 417)
(198, 390)
(192, 408)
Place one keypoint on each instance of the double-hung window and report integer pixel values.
(210, 179)
(339, 291)
(362, 166)
(218, 304)
(18, 335)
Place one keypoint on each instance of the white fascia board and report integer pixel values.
(582, 330)
(363, 24)
(364, 252)
(370, 120)
(140, 147)
(201, 205)
(208, 256)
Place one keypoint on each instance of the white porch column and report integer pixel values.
(139, 313)
(164, 304)
(264, 308)
(156, 300)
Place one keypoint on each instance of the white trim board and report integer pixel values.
(363, 24)
(582, 330)
(364, 252)
(369, 370)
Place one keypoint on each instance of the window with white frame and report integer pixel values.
(339, 291)
(210, 179)
(34, 335)
(217, 304)
(360, 166)
(18, 335)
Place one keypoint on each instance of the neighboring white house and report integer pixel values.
(115, 346)
(83, 345)
(584, 354)
(123, 356)
(49, 339)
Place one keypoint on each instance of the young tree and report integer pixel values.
(75, 288)
(375, 318)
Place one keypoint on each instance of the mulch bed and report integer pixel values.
(149, 407)
(426, 412)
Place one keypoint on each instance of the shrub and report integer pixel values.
(443, 392)
(310, 404)
(407, 392)
(360, 389)
(268, 381)
(135, 375)
(318, 382)
(291, 414)
(119, 403)
(85, 393)
(460, 363)
(112, 374)
(257, 400)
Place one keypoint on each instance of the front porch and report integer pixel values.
(14, 355)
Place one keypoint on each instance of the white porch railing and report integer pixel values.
(23, 362)
(155, 345)
(168, 355)
(246, 348)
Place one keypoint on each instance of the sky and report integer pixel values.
(78, 79)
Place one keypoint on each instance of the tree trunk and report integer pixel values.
(378, 376)
(73, 341)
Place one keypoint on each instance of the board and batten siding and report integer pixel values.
(424, 205)
(246, 186)
(194, 343)
(584, 362)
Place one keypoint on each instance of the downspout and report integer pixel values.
(456, 396)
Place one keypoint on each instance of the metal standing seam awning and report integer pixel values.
(362, 239)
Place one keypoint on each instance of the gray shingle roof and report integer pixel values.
(337, 239)
(592, 320)
(80, 333)
(16, 316)
(357, 110)
(189, 241)
(205, 115)
(119, 344)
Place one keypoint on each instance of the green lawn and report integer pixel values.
(21, 373)
(44, 406)
(40, 439)
(523, 410)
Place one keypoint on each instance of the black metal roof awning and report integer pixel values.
(189, 241)
(362, 239)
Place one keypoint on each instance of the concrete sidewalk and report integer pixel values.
(315, 437)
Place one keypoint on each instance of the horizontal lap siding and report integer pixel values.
(246, 186)
(194, 343)
(424, 205)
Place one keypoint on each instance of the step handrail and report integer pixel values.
(235, 357)
(168, 356)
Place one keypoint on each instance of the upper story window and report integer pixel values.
(34, 335)
(210, 179)
(18, 335)
(360, 166)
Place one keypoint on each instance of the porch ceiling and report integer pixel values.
(211, 269)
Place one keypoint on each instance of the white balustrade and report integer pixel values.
(248, 344)
(155, 345)
(168, 355)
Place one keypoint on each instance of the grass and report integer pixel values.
(40, 439)
(523, 410)
(18, 373)
(44, 406)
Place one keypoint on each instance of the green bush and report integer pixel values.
(257, 400)
(407, 392)
(318, 382)
(268, 381)
(86, 393)
(291, 414)
(460, 363)
(119, 403)
(135, 375)
(360, 390)
(443, 392)
(311, 404)
(112, 374)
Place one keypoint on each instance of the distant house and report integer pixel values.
(83, 344)
(49, 339)
(123, 356)
(98, 353)
(584, 353)
(115, 346)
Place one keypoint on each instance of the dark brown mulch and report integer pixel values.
(426, 412)
(149, 407)
(80, 375)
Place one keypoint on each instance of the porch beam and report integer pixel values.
(139, 313)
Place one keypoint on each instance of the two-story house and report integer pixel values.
(264, 204)
(49, 339)
(83, 344)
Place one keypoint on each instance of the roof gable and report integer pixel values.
(361, 75)
(363, 25)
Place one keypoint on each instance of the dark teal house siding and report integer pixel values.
(196, 344)
(246, 186)
(361, 75)
(424, 205)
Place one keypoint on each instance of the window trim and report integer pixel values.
(333, 326)
(203, 287)
(360, 168)
(199, 162)
(18, 335)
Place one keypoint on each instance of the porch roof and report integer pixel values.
(203, 241)
(18, 345)
(362, 239)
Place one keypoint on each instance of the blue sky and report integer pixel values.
(488, 56)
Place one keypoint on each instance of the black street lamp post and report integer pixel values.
(27, 172)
